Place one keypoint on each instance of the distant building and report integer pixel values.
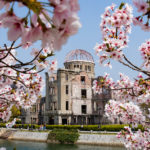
(69, 96)
(34, 115)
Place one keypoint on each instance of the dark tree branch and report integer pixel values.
(4, 49)
(14, 79)
(8, 50)
(135, 67)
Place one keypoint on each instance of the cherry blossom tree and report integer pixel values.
(127, 95)
(51, 22)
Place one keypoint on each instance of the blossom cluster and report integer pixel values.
(138, 140)
(125, 90)
(18, 88)
(142, 20)
(115, 27)
(125, 108)
(136, 91)
(52, 31)
(52, 22)
(104, 81)
(5, 113)
(128, 96)
(124, 112)
(145, 52)
(66, 23)
(23, 92)
(41, 62)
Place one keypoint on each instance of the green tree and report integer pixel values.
(15, 112)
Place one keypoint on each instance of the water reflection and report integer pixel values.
(21, 145)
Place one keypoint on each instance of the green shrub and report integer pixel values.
(64, 135)
(25, 126)
(2, 125)
(68, 127)
(113, 127)
(17, 126)
(110, 127)
(36, 126)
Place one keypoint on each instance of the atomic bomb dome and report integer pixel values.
(69, 94)
(80, 60)
(79, 55)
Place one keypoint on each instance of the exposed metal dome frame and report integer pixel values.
(79, 55)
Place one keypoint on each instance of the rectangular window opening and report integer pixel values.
(67, 105)
(83, 79)
(67, 89)
(64, 121)
(83, 109)
(89, 68)
(83, 93)
(80, 67)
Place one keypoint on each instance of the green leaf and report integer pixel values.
(50, 54)
(121, 5)
(107, 45)
(123, 108)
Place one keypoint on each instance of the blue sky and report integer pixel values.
(89, 34)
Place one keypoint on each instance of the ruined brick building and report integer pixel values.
(69, 96)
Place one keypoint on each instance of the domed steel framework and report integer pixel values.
(79, 55)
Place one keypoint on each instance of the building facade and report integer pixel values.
(34, 115)
(69, 96)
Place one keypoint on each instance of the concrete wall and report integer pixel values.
(87, 138)
(76, 106)
(70, 66)
(100, 139)
(33, 136)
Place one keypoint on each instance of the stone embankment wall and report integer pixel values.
(99, 139)
(29, 136)
(85, 138)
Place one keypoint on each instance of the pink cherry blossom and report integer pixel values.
(143, 19)
(145, 52)
(16, 28)
(127, 94)
(115, 27)
(53, 66)
(138, 140)
(22, 87)
(141, 5)
(125, 112)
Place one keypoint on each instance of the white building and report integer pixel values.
(69, 96)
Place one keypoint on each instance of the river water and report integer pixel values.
(21, 145)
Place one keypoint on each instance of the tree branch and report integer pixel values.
(136, 68)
